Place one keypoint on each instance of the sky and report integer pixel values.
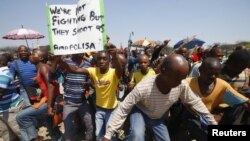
(213, 21)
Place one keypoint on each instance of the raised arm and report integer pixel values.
(118, 59)
(131, 84)
(70, 68)
(54, 63)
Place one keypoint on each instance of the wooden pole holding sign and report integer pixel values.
(76, 28)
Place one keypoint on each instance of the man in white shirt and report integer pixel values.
(152, 97)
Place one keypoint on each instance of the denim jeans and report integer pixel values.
(27, 121)
(71, 109)
(102, 117)
(25, 96)
(138, 121)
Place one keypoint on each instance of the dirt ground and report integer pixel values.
(44, 133)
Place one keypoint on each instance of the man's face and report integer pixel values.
(34, 57)
(143, 63)
(23, 53)
(219, 54)
(103, 60)
(210, 73)
(184, 52)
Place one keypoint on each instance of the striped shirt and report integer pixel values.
(239, 82)
(26, 69)
(147, 97)
(73, 83)
(10, 97)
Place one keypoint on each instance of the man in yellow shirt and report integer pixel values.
(106, 80)
(213, 91)
(143, 71)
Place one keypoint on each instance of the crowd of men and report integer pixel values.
(156, 95)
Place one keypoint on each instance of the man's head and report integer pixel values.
(173, 69)
(37, 56)
(23, 52)
(4, 59)
(134, 53)
(103, 60)
(236, 63)
(209, 70)
(143, 62)
(217, 52)
(46, 51)
(182, 51)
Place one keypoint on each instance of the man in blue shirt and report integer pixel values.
(24, 70)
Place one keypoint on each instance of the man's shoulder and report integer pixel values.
(190, 79)
(6, 77)
(151, 71)
(184, 86)
(13, 63)
(184, 83)
(92, 69)
(4, 68)
(221, 81)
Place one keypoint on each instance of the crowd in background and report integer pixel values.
(121, 94)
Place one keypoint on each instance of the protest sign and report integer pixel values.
(76, 28)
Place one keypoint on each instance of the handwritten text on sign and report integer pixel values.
(76, 28)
